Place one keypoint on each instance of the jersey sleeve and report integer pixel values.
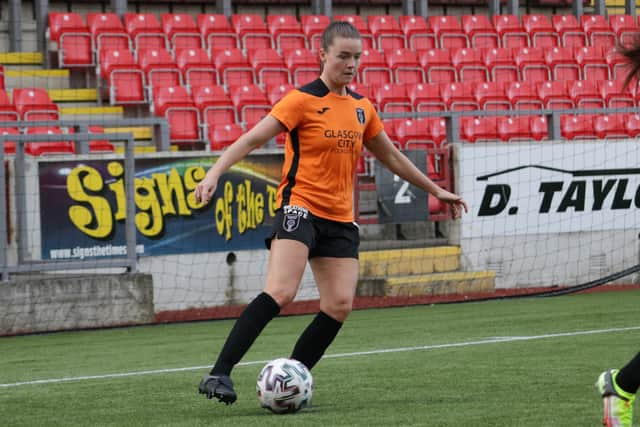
(374, 127)
(289, 110)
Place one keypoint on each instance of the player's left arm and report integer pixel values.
(384, 150)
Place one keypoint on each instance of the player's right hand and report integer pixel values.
(205, 189)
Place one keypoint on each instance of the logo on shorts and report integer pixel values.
(360, 115)
(291, 222)
(292, 215)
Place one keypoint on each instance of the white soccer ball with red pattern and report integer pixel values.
(284, 386)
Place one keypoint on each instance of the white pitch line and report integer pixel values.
(492, 340)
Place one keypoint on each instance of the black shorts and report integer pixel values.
(323, 237)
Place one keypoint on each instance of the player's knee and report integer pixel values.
(282, 296)
(339, 310)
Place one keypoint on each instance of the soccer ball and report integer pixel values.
(284, 386)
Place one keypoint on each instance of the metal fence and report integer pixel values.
(25, 265)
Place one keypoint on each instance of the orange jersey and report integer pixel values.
(326, 132)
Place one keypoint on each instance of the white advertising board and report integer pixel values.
(547, 187)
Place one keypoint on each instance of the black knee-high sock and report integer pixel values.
(245, 331)
(628, 378)
(315, 339)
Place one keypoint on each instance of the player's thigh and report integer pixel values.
(336, 279)
(287, 262)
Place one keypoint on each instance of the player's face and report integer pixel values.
(341, 60)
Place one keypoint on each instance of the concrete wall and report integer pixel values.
(52, 303)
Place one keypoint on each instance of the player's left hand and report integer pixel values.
(456, 203)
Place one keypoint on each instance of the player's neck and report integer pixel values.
(333, 88)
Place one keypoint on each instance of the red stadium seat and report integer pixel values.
(555, 95)
(159, 68)
(216, 32)
(270, 67)
(480, 31)
(197, 68)
(524, 96)
(252, 31)
(2, 86)
(373, 68)
(459, 96)
(510, 31)
(73, 39)
(125, 79)
(501, 64)
(577, 127)
(276, 92)
(405, 67)
(611, 126)
(303, 65)
(532, 65)
(539, 128)
(437, 65)
(363, 90)
(286, 32)
(423, 133)
(618, 64)
(48, 147)
(417, 32)
(469, 65)
(107, 31)
(477, 129)
(448, 31)
(9, 146)
(176, 105)
(234, 69)
(570, 32)
(492, 96)
(598, 31)
(414, 132)
(312, 27)
(181, 31)
(625, 27)
(251, 104)
(516, 128)
(362, 27)
(145, 31)
(8, 111)
(585, 94)
(214, 105)
(562, 63)
(593, 63)
(34, 104)
(386, 32)
(99, 145)
(426, 97)
(633, 125)
(392, 98)
(540, 30)
(221, 136)
(615, 94)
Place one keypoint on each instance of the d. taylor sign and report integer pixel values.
(550, 187)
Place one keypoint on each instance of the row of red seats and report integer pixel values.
(28, 104)
(427, 133)
(194, 68)
(505, 95)
(128, 78)
(79, 43)
(491, 64)
(53, 146)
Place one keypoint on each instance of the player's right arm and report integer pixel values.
(256, 137)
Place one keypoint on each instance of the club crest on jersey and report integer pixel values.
(360, 115)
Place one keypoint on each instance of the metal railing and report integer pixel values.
(25, 265)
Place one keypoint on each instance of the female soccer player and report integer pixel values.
(618, 388)
(327, 125)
